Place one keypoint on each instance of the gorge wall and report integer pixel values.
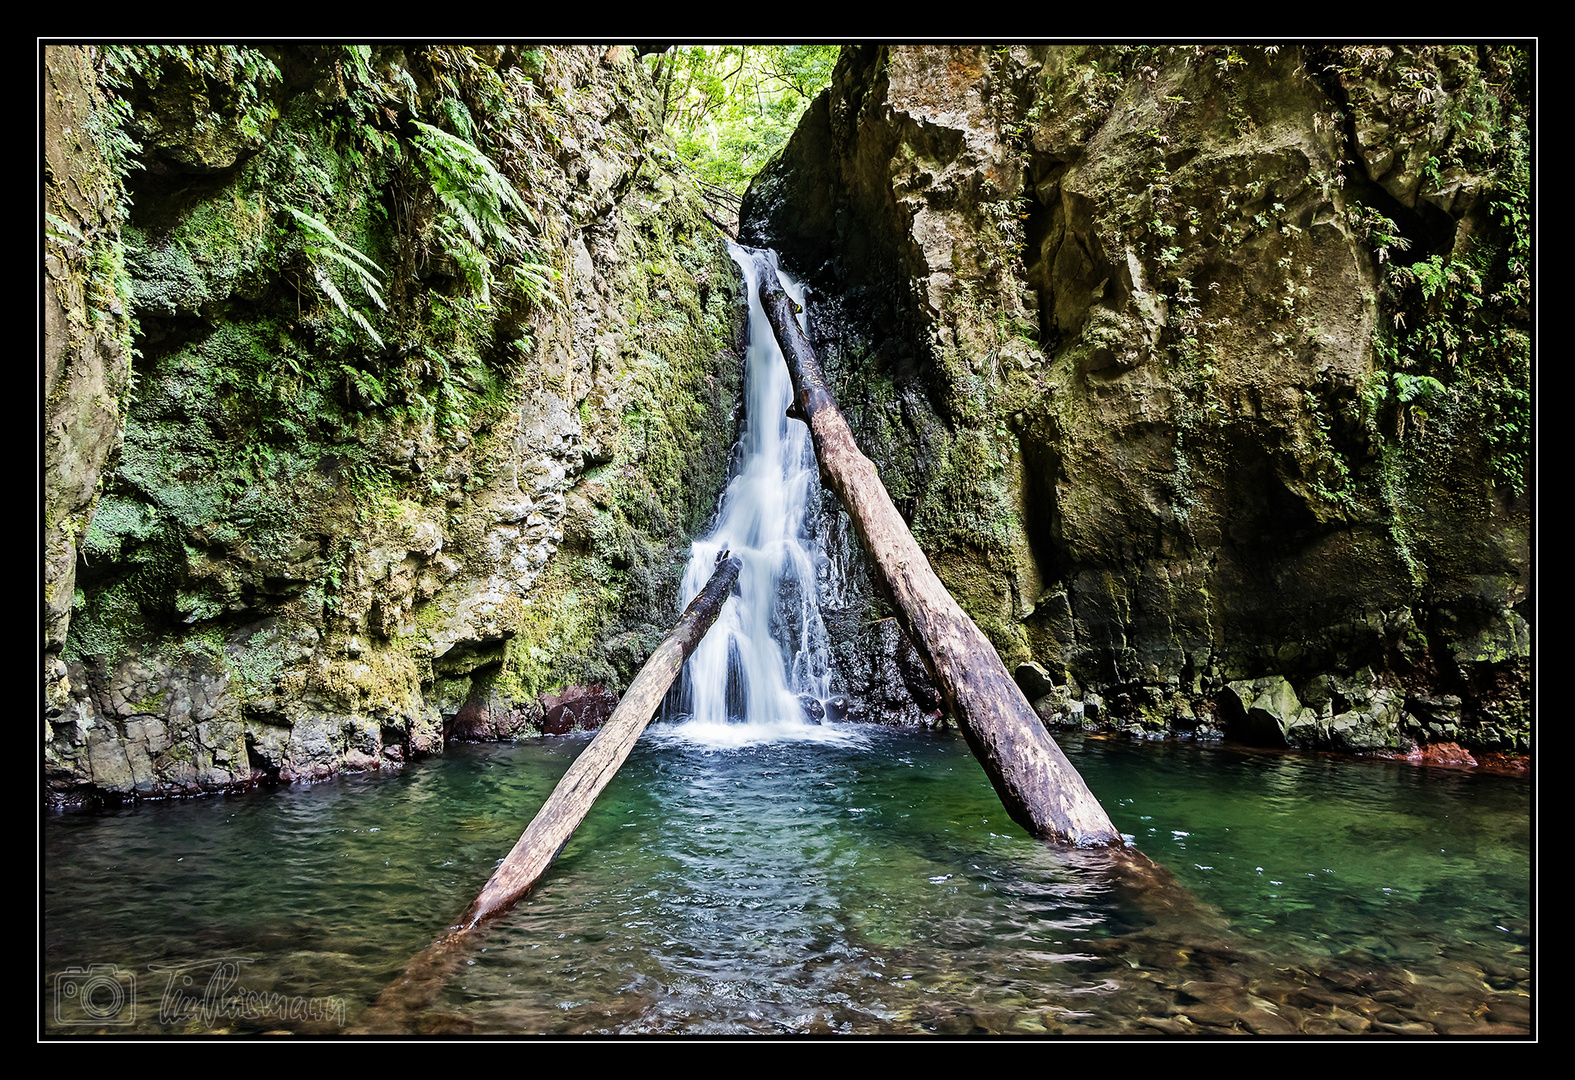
(1202, 374)
(385, 388)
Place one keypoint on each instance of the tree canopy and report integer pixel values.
(730, 108)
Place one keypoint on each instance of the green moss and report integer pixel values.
(254, 662)
(200, 258)
(108, 623)
(117, 521)
(271, 443)
(556, 627)
(151, 705)
(179, 752)
(1151, 719)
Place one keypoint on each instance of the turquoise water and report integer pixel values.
(869, 886)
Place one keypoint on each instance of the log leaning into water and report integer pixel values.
(1040, 789)
(571, 800)
(422, 980)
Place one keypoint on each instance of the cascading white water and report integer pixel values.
(765, 666)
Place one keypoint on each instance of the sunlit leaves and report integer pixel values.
(731, 107)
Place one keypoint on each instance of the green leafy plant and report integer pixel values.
(730, 108)
(1329, 476)
(365, 386)
(237, 79)
(324, 252)
(1379, 233)
(478, 199)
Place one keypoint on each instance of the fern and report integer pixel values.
(1409, 388)
(536, 280)
(324, 249)
(366, 384)
(470, 186)
(478, 199)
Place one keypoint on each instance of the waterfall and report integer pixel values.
(764, 671)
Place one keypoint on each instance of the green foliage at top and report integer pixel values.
(238, 80)
(730, 108)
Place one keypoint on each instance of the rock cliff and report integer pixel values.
(384, 390)
(1202, 374)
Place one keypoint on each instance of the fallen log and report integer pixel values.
(1040, 789)
(422, 980)
(571, 800)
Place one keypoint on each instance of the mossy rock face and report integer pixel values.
(1126, 331)
(87, 329)
(374, 465)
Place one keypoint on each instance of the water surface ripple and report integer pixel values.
(871, 885)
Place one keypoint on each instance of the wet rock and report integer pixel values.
(1312, 997)
(222, 519)
(1352, 1022)
(1267, 712)
(1263, 1022)
(1444, 753)
(1379, 1013)
(488, 717)
(1035, 681)
(1321, 1025)
(445, 1024)
(577, 708)
(1211, 1016)
(1129, 535)
(1199, 990)
(1510, 1012)
(1400, 998)
(884, 678)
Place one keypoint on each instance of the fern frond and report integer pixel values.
(465, 178)
(468, 223)
(324, 248)
(361, 321)
(538, 281)
(320, 229)
(369, 284)
(457, 155)
(63, 229)
(330, 290)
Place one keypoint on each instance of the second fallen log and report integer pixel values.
(571, 800)
(1038, 786)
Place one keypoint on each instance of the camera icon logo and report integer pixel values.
(98, 994)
